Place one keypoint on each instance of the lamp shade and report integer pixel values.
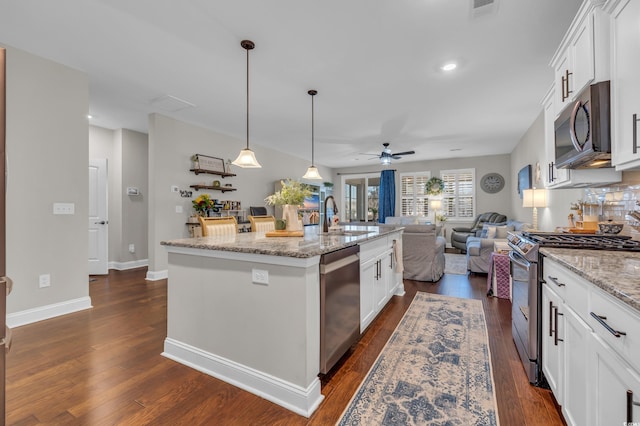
(436, 204)
(312, 173)
(534, 198)
(246, 159)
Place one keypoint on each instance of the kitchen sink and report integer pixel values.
(347, 233)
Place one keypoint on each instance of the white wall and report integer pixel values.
(47, 150)
(530, 150)
(171, 145)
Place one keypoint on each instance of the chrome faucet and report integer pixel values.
(325, 224)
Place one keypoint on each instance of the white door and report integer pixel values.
(98, 219)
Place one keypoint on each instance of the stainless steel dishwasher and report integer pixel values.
(339, 304)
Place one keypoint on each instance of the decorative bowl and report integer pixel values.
(610, 227)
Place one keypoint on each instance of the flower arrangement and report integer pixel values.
(441, 218)
(203, 203)
(434, 186)
(292, 192)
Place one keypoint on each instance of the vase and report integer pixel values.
(290, 215)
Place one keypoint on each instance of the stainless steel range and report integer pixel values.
(526, 270)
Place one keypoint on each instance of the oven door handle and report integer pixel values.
(519, 260)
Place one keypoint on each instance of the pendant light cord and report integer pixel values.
(312, 93)
(247, 98)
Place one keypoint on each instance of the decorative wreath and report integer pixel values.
(434, 186)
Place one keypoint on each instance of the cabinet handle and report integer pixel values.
(550, 319)
(601, 319)
(566, 81)
(562, 86)
(391, 260)
(635, 133)
(555, 338)
(630, 404)
(556, 282)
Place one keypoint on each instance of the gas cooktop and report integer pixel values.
(582, 241)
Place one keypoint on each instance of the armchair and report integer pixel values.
(422, 253)
(460, 234)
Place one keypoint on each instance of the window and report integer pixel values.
(361, 196)
(413, 199)
(458, 197)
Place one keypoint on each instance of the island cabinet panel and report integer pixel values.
(248, 333)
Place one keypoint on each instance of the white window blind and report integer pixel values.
(458, 200)
(413, 198)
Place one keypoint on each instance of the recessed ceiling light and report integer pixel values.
(455, 149)
(89, 116)
(449, 66)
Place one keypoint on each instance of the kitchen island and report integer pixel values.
(245, 308)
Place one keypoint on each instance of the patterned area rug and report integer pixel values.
(434, 370)
(455, 264)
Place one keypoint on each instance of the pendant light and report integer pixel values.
(312, 171)
(246, 158)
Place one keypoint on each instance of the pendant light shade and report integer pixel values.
(312, 171)
(246, 158)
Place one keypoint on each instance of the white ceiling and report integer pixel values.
(375, 64)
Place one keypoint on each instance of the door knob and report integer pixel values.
(8, 282)
(102, 222)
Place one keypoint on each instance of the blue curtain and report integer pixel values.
(387, 200)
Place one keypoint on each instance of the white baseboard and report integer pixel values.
(123, 266)
(157, 275)
(292, 397)
(48, 311)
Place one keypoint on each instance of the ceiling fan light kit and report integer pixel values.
(312, 171)
(246, 158)
(386, 155)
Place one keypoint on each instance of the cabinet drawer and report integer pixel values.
(571, 287)
(371, 249)
(615, 316)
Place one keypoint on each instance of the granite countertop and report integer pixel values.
(616, 272)
(314, 243)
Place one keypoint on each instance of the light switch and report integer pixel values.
(64, 208)
(179, 209)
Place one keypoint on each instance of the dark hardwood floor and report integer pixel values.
(103, 366)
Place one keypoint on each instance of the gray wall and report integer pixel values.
(171, 144)
(500, 202)
(531, 149)
(47, 151)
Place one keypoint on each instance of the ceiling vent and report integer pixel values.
(481, 3)
(170, 103)
(483, 7)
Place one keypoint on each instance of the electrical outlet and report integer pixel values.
(64, 208)
(179, 209)
(260, 276)
(175, 188)
(132, 248)
(44, 280)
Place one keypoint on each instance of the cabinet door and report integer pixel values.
(582, 49)
(562, 73)
(552, 344)
(576, 344)
(625, 86)
(368, 273)
(380, 285)
(611, 379)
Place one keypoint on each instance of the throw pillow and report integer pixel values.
(501, 231)
(491, 232)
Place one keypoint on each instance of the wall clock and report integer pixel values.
(492, 183)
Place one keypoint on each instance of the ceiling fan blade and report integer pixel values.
(403, 153)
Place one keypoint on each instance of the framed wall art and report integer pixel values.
(524, 179)
(211, 164)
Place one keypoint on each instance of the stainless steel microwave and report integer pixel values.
(583, 130)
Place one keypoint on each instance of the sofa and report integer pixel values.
(460, 234)
(479, 248)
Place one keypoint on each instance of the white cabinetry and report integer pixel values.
(625, 84)
(565, 339)
(583, 55)
(378, 278)
(589, 349)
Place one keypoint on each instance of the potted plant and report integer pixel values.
(289, 197)
(202, 204)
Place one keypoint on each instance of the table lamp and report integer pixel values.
(534, 197)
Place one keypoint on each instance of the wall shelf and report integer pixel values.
(214, 188)
(210, 172)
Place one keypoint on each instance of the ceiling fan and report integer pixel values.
(386, 155)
